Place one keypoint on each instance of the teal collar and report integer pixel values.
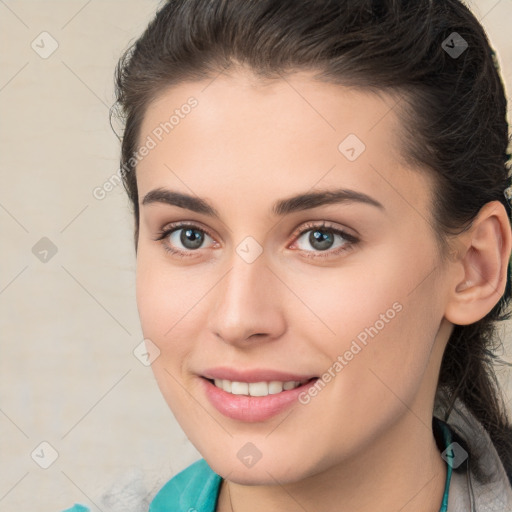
(196, 487)
(447, 436)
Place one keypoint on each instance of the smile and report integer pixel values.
(265, 396)
(256, 388)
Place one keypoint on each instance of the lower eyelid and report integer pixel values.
(328, 253)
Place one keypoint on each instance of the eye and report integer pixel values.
(182, 239)
(322, 238)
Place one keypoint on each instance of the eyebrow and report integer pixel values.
(300, 202)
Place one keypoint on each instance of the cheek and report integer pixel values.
(358, 301)
(166, 302)
(379, 358)
(381, 317)
(166, 294)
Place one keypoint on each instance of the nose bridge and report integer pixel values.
(246, 300)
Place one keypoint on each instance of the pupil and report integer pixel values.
(324, 241)
(191, 238)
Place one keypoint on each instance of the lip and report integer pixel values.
(252, 409)
(254, 375)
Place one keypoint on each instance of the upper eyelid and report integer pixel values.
(304, 227)
(169, 228)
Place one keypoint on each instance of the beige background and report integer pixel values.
(69, 326)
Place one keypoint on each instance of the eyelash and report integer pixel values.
(350, 240)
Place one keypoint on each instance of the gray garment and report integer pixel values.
(466, 493)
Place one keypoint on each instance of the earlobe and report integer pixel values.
(484, 263)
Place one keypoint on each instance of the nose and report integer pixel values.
(247, 304)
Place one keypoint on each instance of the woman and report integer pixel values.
(323, 241)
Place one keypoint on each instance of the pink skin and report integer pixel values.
(365, 439)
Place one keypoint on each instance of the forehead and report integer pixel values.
(239, 133)
(262, 108)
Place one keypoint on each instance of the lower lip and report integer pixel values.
(252, 409)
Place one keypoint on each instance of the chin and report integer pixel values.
(268, 472)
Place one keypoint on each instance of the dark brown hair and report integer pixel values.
(453, 108)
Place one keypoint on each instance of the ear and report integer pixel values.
(483, 257)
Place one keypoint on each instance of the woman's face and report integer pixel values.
(265, 289)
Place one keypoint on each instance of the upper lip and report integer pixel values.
(254, 375)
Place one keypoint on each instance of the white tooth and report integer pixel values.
(289, 385)
(255, 388)
(258, 388)
(240, 388)
(275, 387)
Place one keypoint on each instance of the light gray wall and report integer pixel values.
(69, 325)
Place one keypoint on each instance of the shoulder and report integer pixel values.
(196, 487)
